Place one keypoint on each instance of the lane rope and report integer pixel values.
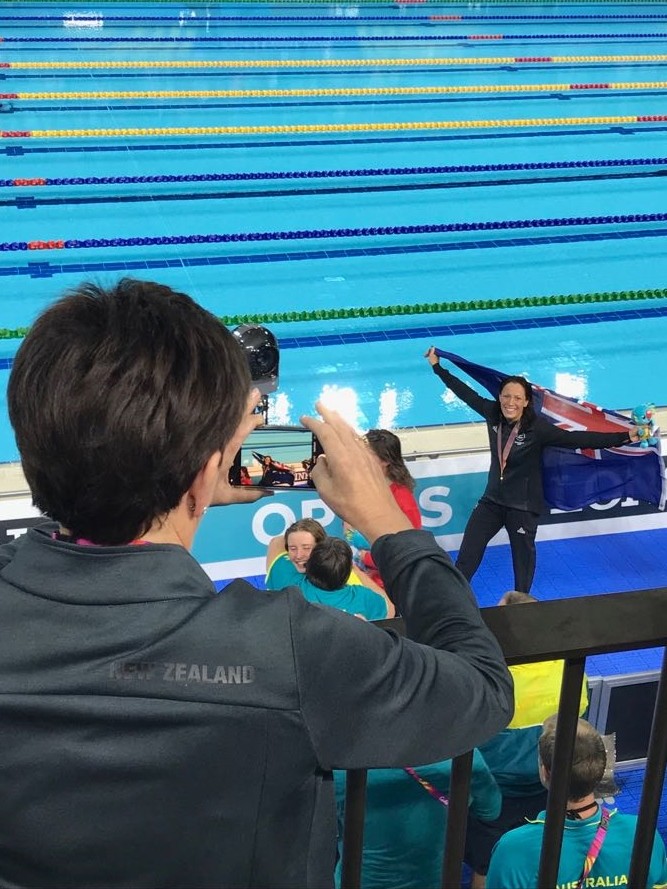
(335, 174)
(333, 128)
(400, 18)
(340, 91)
(322, 38)
(331, 233)
(333, 63)
(521, 302)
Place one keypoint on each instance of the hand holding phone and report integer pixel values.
(350, 480)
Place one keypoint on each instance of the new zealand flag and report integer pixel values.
(574, 479)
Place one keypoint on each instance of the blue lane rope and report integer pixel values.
(331, 233)
(339, 174)
(397, 19)
(295, 38)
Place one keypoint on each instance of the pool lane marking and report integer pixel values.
(333, 63)
(341, 173)
(44, 269)
(345, 233)
(426, 39)
(332, 128)
(339, 91)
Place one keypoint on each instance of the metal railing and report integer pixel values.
(568, 630)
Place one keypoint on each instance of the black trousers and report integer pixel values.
(486, 520)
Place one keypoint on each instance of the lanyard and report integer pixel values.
(428, 787)
(503, 452)
(596, 845)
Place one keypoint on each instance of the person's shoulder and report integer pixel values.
(282, 572)
(34, 536)
(362, 600)
(8, 550)
(517, 843)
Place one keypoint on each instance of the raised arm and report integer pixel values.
(564, 438)
(483, 406)
(402, 701)
(377, 699)
(276, 548)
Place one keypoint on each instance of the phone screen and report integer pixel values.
(276, 457)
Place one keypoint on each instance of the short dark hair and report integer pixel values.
(310, 526)
(118, 396)
(589, 760)
(329, 564)
(387, 447)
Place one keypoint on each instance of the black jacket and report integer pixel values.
(154, 734)
(521, 485)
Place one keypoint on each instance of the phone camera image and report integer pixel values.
(276, 457)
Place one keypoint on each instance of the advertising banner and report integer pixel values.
(232, 540)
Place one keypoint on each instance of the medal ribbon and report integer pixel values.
(503, 452)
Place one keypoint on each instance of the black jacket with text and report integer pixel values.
(155, 734)
(521, 485)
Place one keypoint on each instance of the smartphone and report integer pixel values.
(277, 457)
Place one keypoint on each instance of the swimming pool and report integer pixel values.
(417, 156)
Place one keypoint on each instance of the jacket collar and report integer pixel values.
(97, 575)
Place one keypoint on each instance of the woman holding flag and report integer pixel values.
(514, 498)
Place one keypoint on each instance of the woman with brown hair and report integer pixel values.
(386, 446)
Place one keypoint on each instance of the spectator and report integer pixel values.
(387, 448)
(288, 556)
(404, 827)
(515, 860)
(294, 546)
(325, 581)
(155, 733)
(512, 754)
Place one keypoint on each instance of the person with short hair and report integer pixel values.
(515, 860)
(512, 754)
(287, 560)
(155, 733)
(330, 563)
(326, 578)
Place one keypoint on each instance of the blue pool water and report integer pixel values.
(374, 372)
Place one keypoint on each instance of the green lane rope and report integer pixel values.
(520, 302)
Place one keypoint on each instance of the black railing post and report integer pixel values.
(652, 787)
(457, 816)
(568, 715)
(353, 830)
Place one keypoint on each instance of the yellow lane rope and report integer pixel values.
(340, 91)
(333, 128)
(328, 63)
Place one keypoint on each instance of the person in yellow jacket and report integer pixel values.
(512, 755)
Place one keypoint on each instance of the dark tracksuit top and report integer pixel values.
(155, 734)
(521, 487)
